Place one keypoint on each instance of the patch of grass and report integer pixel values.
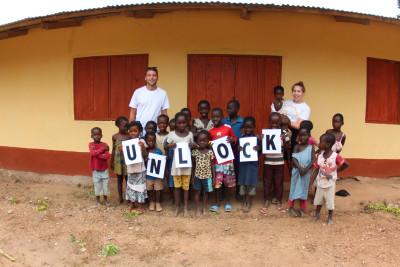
(383, 207)
(109, 250)
(80, 243)
(12, 200)
(131, 214)
(42, 205)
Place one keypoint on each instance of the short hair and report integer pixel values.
(179, 114)
(279, 88)
(340, 115)
(134, 123)
(96, 129)
(301, 84)
(249, 119)
(329, 138)
(151, 122)
(171, 120)
(218, 109)
(203, 132)
(307, 124)
(235, 102)
(272, 114)
(306, 129)
(152, 69)
(149, 134)
(120, 119)
(203, 101)
(163, 116)
(186, 110)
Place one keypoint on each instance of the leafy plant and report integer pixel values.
(383, 207)
(80, 243)
(131, 214)
(42, 205)
(109, 250)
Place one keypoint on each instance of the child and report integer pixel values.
(98, 165)
(181, 176)
(154, 185)
(277, 104)
(202, 123)
(136, 191)
(248, 171)
(204, 170)
(117, 160)
(302, 159)
(151, 126)
(162, 123)
(328, 164)
(171, 125)
(287, 140)
(273, 171)
(337, 123)
(188, 115)
(224, 173)
(309, 126)
(234, 120)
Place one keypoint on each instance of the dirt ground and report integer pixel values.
(36, 238)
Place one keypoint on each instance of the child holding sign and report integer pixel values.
(248, 170)
(204, 171)
(98, 165)
(328, 164)
(302, 159)
(224, 172)
(136, 191)
(181, 175)
(117, 160)
(154, 185)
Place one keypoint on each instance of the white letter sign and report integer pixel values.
(222, 150)
(132, 151)
(156, 165)
(248, 153)
(271, 142)
(182, 155)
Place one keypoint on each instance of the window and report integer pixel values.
(383, 91)
(103, 86)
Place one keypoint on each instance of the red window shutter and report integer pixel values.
(383, 91)
(91, 95)
(126, 74)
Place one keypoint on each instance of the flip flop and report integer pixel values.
(263, 211)
(214, 208)
(228, 208)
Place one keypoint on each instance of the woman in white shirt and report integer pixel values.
(296, 109)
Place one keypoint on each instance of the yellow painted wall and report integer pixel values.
(36, 93)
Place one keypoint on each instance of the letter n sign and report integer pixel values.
(156, 165)
(271, 142)
(132, 151)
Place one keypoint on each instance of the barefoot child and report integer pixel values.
(328, 164)
(117, 160)
(302, 160)
(154, 185)
(248, 171)
(274, 165)
(337, 123)
(224, 173)
(277, 104)
(204, 170)
(136, 191)
(181, 176)
(98, 165)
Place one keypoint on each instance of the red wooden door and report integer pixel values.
(249, 79)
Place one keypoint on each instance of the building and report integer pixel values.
(51, 66)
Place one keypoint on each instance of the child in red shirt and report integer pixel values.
(99, 155)
(224, 173)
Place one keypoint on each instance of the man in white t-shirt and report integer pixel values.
(149, 101)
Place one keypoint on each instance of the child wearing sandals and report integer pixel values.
(337, 123)
(224, 173)
(328, 164)
(302, 160)
(136, 191)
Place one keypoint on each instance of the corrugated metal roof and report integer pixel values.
(171, 4)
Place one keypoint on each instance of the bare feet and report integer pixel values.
(176, 212)
(185, 213)
(199, 213)
(158, 207)
(330, 221)
(152, 206)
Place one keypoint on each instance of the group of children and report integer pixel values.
(311, 163)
